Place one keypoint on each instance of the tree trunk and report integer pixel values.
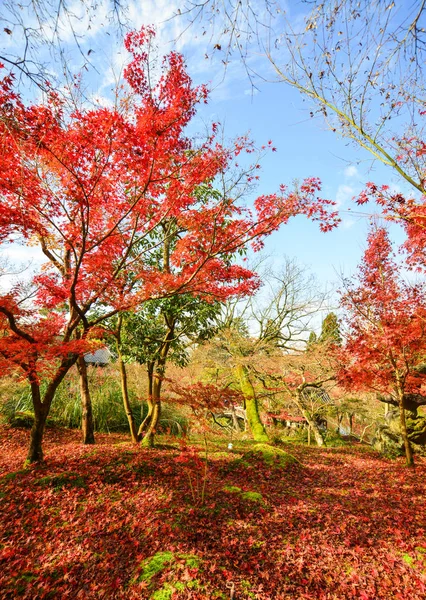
(339, 422)
(235, 422)
(148, 439)
(42, 408)
(124, 387)
(408, 449)
(156, 374)
(87, 426)
(147, 420)
(252, 408)
(351, 417)
(35, 451)
(126, 401)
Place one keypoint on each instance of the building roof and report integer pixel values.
(100, 357)
(283, 416)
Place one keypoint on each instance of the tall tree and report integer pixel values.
(330, 330)
(386, 333)
(89, 187)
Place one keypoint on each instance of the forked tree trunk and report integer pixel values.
(148, 440)
(124, 386)
(147, 419)
(87, 426)
(256, 426)
(155, 377)
(42, 407)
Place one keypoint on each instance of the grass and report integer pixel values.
(108, 413)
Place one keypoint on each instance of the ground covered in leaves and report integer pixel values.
(114, 521)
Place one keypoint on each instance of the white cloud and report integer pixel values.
(18, 264)
(351, 171)
(23, 254)
(344, 194)
(78, 22)
(347, 223)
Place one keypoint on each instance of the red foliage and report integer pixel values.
(94, 189)
(409, 212)
(203, 395)
(386, 337)
(97, 190)
(344, 524)
(270, 417)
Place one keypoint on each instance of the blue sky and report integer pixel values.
(274, 111)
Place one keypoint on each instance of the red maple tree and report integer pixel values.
(409, 212)
(386, 330)
(97, 190)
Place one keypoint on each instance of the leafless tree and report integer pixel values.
(359, 62)
(36, 34)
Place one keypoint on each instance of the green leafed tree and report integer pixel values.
(330, 330)
(161, 331)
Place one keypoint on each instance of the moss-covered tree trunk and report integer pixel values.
(252, 408)
(87, 425)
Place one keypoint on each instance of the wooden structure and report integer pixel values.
(284, 419)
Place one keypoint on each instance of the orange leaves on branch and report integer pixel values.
(203, 395)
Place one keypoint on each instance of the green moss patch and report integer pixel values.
(232, 489)
(271, 455)
(157, 563)
(252, 497)
(12, 475)
(57, 482)
(247, 495)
